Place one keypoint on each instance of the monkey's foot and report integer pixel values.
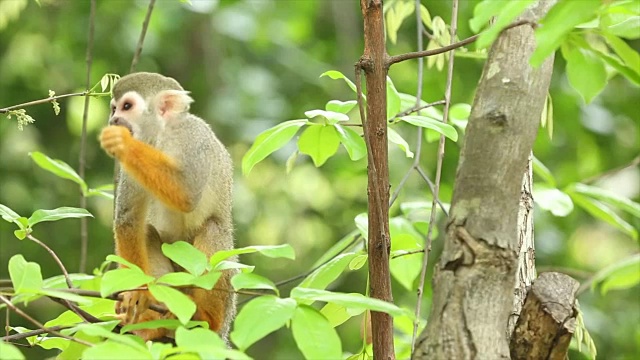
(132, 306)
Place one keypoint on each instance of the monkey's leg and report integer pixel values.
(216, 306)
(159, 265)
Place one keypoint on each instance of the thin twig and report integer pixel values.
(143, 33)
(40, 325)
(31, 333)
(42, 101)
(412, 252)
(419, 54)
(84, 235)
(436, 190)
(419, 108)
(55, 257)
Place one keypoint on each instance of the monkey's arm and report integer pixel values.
(154, 170)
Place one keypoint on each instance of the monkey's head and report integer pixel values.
(143, 103)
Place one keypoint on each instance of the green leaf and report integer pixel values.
(336, 314)
(609, 197)
(178, 303)
(629, 56)
(65, 295)
(602, 212)
(559, 21)
(107, 349)
(176, 279)
(57, 214)
(122, 279)
(395, 138)
(206, 343)
(393, 100)
(252, 281)
(331, 116)
(25, 275)
(620, 275)
(539, 169)
(483, 12)
(335, 75)
(269, 141)
(425, 16)
(404, 237)
(622, 18)
(429, 123)
(187, 256)
(314, 335)
(460, 112)
(9, 215)
(352, 141)
(552, 199)
(581, 61)
(10, 351)
(350, 301)
(358, 262)
(395, 16)
(208, 280)
(119, 260)
(273, 251)
(362, 223)
(58, 168)
(626, 71)
(508, 11)
(272, 312)
(341, 106)
(327, 273)
(320, 142)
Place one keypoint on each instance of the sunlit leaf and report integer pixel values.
(269, 141)
(58, 168)
(314, 335)
(393, 100)
(582, 61)
(429, 123)
(395, 138)
(620, 275)
(57, 214)
(508, 11)
(252, 281)
(352, 141)
(273, 313)
(320, 142)
(187, 256)
(177, 302)
(25, 275)
(334, 74)
(331, 116)
(273, 251)
(558, 22)
(352, 300)
(552, 199)
(341, 106)
(122, 279)
(602, 212)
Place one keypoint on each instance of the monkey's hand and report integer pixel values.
(114, 140)
(132, 306)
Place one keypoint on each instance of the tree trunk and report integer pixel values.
(374, 64)
(475, 278)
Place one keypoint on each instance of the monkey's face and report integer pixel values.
(129, 111)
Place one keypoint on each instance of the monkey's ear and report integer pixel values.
(170, 102)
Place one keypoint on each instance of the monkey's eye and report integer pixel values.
(126, 106)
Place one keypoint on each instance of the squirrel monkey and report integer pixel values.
(174, 184)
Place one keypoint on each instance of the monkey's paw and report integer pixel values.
(113, 140)
(132, 306)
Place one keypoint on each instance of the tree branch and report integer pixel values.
(143, 33)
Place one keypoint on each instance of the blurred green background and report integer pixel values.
(250, 65)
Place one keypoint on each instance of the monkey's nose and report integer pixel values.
(118, 121)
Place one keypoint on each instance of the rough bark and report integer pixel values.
(526, 248)
(474, 280)
(548, 319)
(373, 62)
